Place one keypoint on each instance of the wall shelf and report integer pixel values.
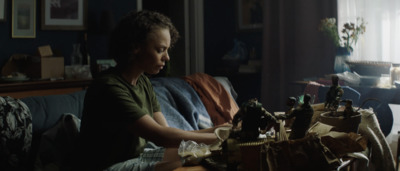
(42, 88)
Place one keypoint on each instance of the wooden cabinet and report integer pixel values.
(42, 88)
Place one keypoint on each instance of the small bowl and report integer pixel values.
(369, 68)
(223, 132)
(340, 123)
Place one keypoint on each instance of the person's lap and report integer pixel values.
(153, 158)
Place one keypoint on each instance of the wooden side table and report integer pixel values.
(42, 88)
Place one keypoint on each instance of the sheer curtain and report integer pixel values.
(381, 41)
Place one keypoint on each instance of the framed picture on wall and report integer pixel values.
(64, 14)
(23, 19)
(2, 10)
(249, 14)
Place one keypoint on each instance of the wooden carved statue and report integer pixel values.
(334, 95)
(303, 115)
(251, 120)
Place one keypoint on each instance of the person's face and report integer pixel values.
(152, 56)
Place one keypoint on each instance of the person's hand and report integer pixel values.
(226, 124)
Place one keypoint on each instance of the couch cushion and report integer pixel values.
(224, 81)
(57, 143)
(47, 110)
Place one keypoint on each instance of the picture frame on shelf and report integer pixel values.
(249, 15)
(23, 24)
(64, 15)
(2, 10)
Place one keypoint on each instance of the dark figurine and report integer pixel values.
(334, 95)
(290, 103)
(348, 110)
(254, 120)
(303, 114)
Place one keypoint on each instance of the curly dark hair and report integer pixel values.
(132, 31)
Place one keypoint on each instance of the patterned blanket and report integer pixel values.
(15, 134)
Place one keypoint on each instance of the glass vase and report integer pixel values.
(76, 55)
(342, 55)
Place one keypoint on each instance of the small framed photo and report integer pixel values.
(23, 19)
(250, 15)
(2, 10)
(64, 14)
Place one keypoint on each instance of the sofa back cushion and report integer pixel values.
(47, 110)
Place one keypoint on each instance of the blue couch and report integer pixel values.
(179, 102)
(46, 113)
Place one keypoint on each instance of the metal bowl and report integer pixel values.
(369, 68)
(340, 123)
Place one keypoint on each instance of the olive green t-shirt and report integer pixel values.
(111, 104)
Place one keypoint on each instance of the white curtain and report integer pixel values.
(381, 41)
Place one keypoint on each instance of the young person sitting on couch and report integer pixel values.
(121, 112)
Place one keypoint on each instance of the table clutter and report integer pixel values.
(369, 73)
(336, 137)
(43, 65)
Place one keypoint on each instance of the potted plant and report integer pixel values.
(344, 44)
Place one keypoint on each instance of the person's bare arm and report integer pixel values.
(212, 129)
(150, 129)
(160, 119)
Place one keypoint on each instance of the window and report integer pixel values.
(381, 41)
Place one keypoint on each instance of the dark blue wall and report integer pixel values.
(220, 30)
(219, 20)
(62, 40)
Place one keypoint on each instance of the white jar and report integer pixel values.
(395, 73)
